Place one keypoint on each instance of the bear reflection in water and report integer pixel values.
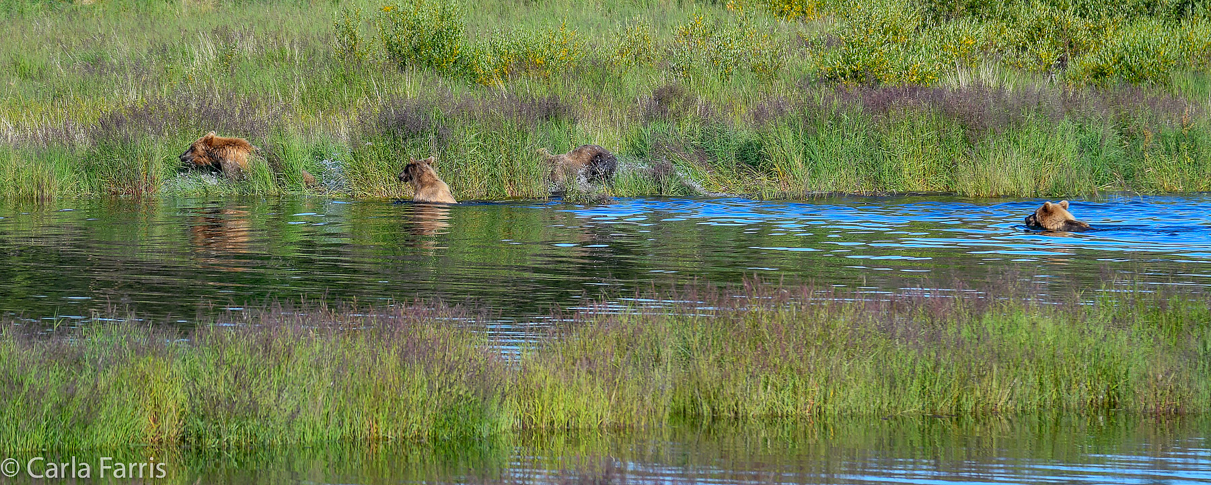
(430, 219)
(218, 234)
(426, 221)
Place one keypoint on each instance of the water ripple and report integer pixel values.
(177, 259)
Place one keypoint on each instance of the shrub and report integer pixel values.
(636, 43)
(797, 9)
(431, 34)
(1039, 37)
(540, 53)
(960, 43)
(1143, 53)
(350, 43)
(886, 42)
(880, 43)
(723, 47)
(426, 33)
(1194, 39)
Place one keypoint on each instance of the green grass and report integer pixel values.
(758, 353)
(116, 386)
(774, 99)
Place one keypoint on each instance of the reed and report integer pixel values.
(754, 353)
(775, 99)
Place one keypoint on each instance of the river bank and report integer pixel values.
(744, 98)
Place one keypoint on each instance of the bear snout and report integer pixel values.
(404, 176)
(1031, 221)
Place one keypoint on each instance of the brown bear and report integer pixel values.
(426, 186)
(309, 180)
(221, 154)
(594, 162)
(1055, 217)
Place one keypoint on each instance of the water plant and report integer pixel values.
(759, 352)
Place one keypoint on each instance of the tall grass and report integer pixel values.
(281, 377)
(755, 353)
(778, 99)
(792, 353)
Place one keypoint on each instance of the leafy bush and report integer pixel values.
(890, 43)
(432, 34)
(880, 43)
(347, 30)
(797, 9)
(540, 53)
(961, 43)
(1143, 53)
(1042, 38)
(427, 33)
(725, 46)
(1194, 39)
(636, 44)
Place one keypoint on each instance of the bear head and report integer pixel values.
(198, 154)
(417, 170)
(1054, 217)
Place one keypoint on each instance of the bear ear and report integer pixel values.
(1047, 206)
(1064, 204)
(210, 135)
(427, 161)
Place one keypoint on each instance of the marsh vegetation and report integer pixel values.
(769, 98)
(421, 371)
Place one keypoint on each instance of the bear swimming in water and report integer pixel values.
(1055, 217)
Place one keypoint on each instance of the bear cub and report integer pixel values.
(1055, 217)
(594, 162)
(220, 154)
(426, 185)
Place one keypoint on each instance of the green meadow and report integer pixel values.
(776, 98)
(758, 353)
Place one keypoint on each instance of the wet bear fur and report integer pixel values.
(593, 162)
(219, 154)
(1055, 217)
(426, 185)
